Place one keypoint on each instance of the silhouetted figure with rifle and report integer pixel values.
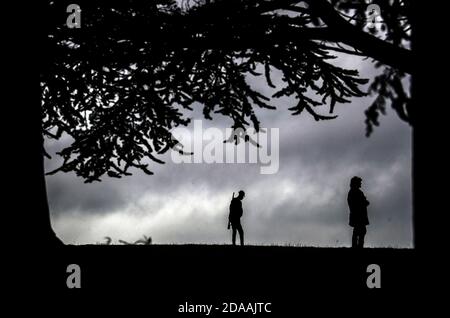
(357, 204)
(234, 218)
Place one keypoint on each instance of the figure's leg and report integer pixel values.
(233, 239)
(355, 238)
(362, 233)
(241, 234)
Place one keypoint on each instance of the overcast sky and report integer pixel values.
(303, 203)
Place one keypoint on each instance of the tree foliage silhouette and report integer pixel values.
(120, 83)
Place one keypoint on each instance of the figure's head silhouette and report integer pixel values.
(241, 195)
(355, 182)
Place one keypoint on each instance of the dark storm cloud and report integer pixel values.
(70, 194)
(305, 202)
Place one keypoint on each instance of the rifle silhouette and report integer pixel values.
(229, 224)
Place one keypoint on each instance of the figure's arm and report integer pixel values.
(366, 202)
(350, 202)
(229, 217)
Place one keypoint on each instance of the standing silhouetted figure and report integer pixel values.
(357, 204)
(235, 217)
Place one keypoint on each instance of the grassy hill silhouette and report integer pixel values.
(195, 269)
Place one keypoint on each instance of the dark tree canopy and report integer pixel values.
(119, 84)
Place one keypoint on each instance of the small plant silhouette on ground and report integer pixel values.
(145, 240)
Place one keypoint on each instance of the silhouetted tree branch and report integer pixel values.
(119, 84)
